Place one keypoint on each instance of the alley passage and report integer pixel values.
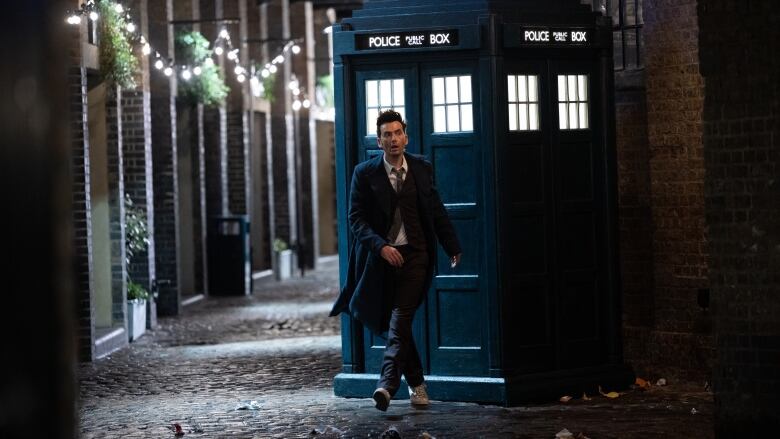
(262, 367)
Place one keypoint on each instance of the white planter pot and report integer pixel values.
(136, 318)
(283, 264)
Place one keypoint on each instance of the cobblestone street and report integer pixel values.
(279, 349)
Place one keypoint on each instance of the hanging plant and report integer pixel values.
(209, 87)
(118, 63)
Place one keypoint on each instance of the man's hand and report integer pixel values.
(455, 260)
(392, 256)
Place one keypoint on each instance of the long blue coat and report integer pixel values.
(372, 204)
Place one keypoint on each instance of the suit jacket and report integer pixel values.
(372, 205)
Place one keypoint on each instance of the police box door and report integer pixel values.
(438, 101)
(553, 215)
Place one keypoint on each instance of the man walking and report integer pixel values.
(396, 216)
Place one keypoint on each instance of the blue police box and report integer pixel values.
(512, 102)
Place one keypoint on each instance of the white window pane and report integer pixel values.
(453, 118)
(385, 96)
(511, 88)
(583, 116)
(371, 96)
(371, 115)
(512, 117)
(572, 87)
(439, 119)
(522, 92)
(398, 93)
(466, 118)
(465, 89)
(562, 116)
(451, 86)
(561, 88)
(533, 92)
(438, 90)
(582, 87)
(533, 115)
(523, 117)
(573, 120)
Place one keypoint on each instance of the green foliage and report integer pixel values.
(209, 87)
(118, 63)
(268, 87)
(136, 291)
(324, 91)
(280, 245)
(136, 231)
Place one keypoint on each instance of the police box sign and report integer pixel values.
(407, 40)
(554, 36)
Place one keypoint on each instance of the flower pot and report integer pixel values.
(136, 318)
(283, 264)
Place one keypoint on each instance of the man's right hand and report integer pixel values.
(392, 256)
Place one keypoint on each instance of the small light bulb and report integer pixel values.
(296, 91)
(224, 34)
(74, 19)
(146, 49)
(241, 78)
(272, 69)
(265, 73)
(218, 50)
(118, 8)
(186, 74)
(296, 105)
(208, 62)
(158, 64)
(196, 70)
(131, 27)
(233, 54)
(296, 49)
(279, 59)
(168, 71)
(238, 70)
(293, 84)
(306, 103)
(93, 16)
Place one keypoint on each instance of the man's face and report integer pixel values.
(392, 139)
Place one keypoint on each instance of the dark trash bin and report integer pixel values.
(229, 265)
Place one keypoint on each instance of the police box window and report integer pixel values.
(383, 94)
(452, 106)
(627, 22)
(573, 102)
(523, 99)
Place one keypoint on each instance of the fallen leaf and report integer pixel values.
(582, 436)
(642, 384)
(585, 397)
(565, 398)
(661, 382)
(609, 394)
(564, 434)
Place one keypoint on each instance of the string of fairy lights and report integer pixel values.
(222, 45)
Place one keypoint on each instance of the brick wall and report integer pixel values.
(163, 111)
(662, 202)
(116, 207)
(739, 46)
(237, 159)
(82, 219)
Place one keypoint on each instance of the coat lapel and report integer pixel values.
(380, 185)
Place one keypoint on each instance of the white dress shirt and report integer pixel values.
(401, 238)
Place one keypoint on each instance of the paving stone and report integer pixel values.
(279, 348)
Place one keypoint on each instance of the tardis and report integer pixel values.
(512, 102)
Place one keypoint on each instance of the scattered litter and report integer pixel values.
(177, 431)
(329, 430)
(564, 434)
(585, 397)
(425, 435)
(642, 384)
(565, 398)
(609, 394)
(391, 433)
(661, 382)
(251, 405)
(694, 411)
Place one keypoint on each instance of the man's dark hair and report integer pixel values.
(388, 116)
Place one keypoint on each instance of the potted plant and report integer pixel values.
(138, 297)
(282, 260)
(136, 310)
